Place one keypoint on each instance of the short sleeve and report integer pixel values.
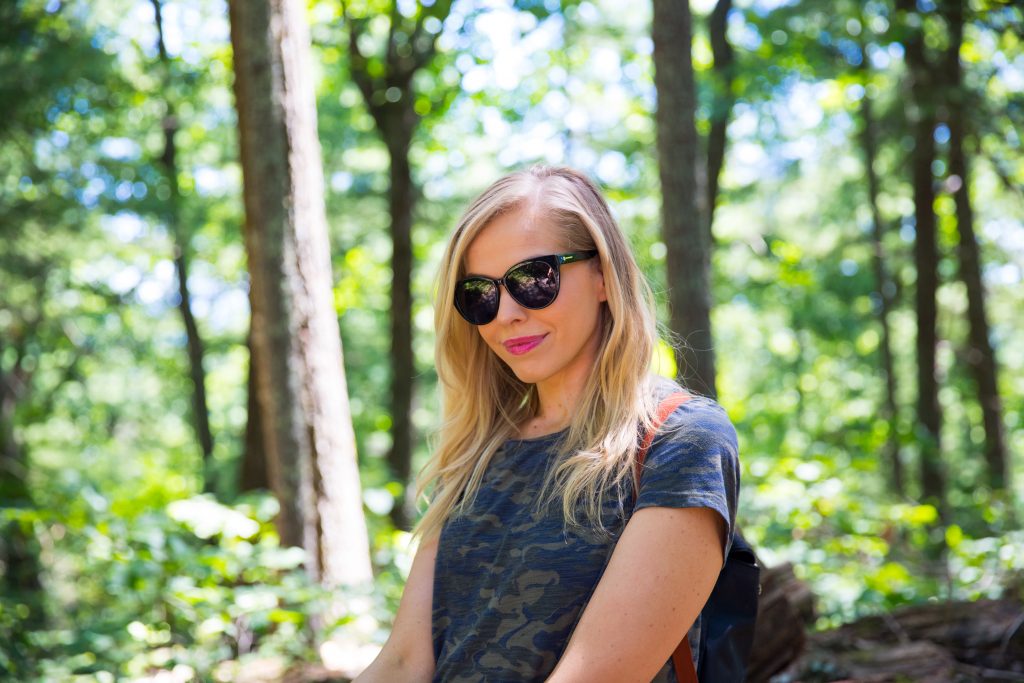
(694, 462)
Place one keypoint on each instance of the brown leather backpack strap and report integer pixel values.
(667, 406)
(682, 658)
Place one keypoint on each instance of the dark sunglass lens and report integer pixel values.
(477, 300)
(534, 284)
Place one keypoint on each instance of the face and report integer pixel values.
(556, 345)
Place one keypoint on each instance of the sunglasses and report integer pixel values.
(532, 284)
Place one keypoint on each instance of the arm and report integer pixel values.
(408, 654)
(657, 581)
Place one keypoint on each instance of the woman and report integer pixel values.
(534, 562)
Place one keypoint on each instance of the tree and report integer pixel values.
(722, 102)
(922, 116)
(172, 218)
(386, 84)
(684, 227)
(981, 357)
(303, 404)
(886, 288)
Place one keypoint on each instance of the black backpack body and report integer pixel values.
(728, 617)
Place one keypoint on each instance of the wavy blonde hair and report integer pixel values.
(483, 402)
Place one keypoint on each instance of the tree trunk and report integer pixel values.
(683, 227)
(922, 121)
(172, 217)
(721, 106)
(200, 410)
(403, 370)
(980, 355)
(886, 292)
(307, 427)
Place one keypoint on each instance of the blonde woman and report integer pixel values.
(534, 563)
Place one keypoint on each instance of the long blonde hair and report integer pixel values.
(483, 402)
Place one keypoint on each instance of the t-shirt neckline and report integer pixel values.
(538, 439)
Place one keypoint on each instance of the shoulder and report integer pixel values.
(698, 422)
(694, 457)
(693, 462)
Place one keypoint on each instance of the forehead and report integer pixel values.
(510, 238)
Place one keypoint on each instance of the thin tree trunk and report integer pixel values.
(886, 292)
(303, 401)
(172, 216)
(722, 104)
(980, 355)
(200, 410)
(683, 227)
(403, 370)
(922, 120)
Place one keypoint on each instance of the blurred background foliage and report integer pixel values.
(134, 568)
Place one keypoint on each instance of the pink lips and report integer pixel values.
(521, 345)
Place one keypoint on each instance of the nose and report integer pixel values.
(509, 310)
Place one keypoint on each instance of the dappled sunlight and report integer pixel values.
(139, 544)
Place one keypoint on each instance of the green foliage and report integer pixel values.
(162, 584)
(861, 551)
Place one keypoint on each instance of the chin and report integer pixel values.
(526, 377)
(526, 374)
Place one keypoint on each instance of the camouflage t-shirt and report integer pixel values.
(510, 583)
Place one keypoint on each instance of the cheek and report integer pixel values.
(489, 336)
(578, 303)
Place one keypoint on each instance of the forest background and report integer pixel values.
(854, 178)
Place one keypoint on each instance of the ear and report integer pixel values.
(602, 295)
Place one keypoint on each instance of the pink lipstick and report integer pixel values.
(521, 345)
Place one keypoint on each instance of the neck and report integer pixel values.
(556, 407)
(558, 398)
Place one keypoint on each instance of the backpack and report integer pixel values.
(728, 617)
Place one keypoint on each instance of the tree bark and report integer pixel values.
(886, 293)
(403, 368)
(985, 634)
(981, 357)
(722, 104)
(922, 120)
(684, 227)
(307, 427)
(172, 217)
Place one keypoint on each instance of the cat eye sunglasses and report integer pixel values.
(532, 283)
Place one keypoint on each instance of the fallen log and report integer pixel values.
(986, 633)
(929, 643)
